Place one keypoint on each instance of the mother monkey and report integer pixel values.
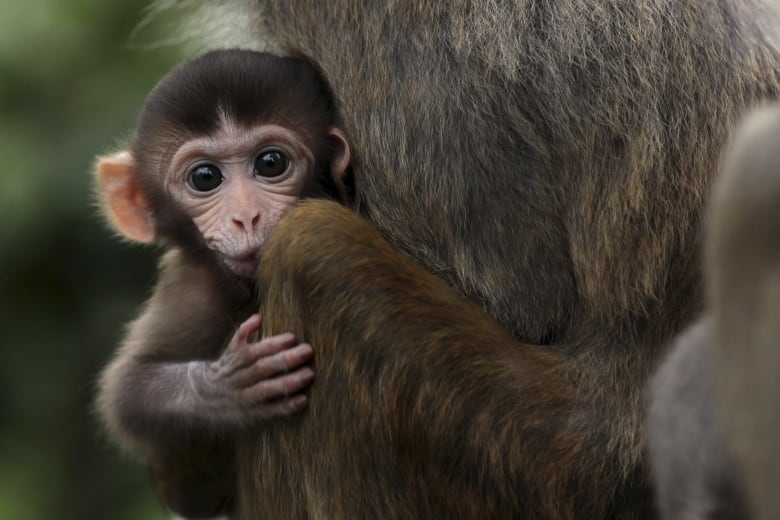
(547, 160)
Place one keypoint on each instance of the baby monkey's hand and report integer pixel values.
(255, 379)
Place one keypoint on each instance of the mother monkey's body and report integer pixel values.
(548, 160)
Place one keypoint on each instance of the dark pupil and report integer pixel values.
(206, 177)
(270, 164)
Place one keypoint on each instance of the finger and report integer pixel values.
(279, 387)
(241, 337)
(274, 365)
(250, 326)
(281, 408)
(272, 345)
(259, 360)
(254, 336)
(297, 356)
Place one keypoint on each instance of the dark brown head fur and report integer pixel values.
(243, 86)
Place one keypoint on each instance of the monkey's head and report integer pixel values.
(224, 145)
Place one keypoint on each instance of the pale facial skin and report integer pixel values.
(236, 184)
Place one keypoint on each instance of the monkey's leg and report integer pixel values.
(422, 406)
(196, 480)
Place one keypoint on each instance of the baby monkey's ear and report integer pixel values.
(118, 187)
(339, 159)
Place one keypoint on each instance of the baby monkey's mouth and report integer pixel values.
(244, 264)
(252, 256)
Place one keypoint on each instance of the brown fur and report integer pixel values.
(356, 289)
(191, 463)
(549, 161)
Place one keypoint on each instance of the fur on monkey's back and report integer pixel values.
(549, 159)
(583, 132)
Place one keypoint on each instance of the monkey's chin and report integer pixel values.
(245, 267)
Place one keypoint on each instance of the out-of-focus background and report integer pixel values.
(72, 76)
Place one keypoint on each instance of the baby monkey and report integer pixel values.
(225, 145)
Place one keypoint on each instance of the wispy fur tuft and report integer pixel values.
(199, 26)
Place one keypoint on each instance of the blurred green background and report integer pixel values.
(72, 77)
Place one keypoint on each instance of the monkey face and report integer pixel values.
(225, 144)
(237, 183)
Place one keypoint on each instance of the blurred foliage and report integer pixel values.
(71, 81)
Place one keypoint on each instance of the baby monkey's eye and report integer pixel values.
(271, 163)
(205, 177)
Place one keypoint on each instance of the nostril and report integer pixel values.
(238, 222)
(247, 223)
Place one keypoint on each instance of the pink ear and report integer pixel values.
(122, 198)
(340, 153)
